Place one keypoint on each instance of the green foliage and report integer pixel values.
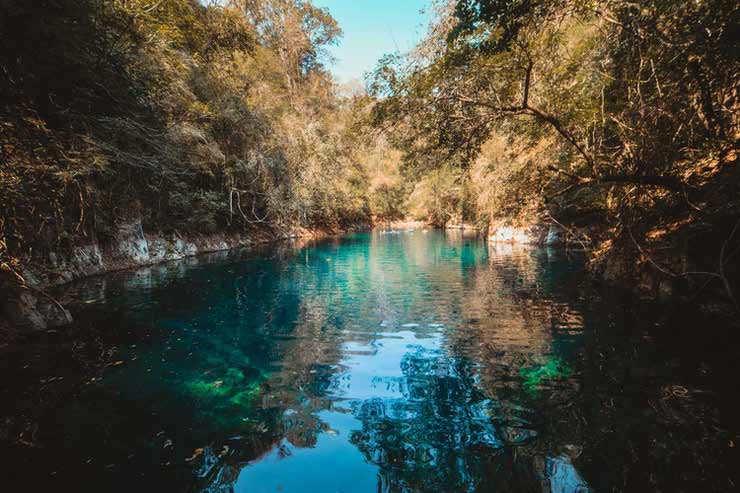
(438, 197)
(222, 117)
(388, 188)
(622, 112)
(194, 118)
(494, 24)
(387, 201)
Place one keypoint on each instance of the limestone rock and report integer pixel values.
(555, 236)
(518, 235)
(130, 243)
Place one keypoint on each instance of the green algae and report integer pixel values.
(535, 376)
(229, 389)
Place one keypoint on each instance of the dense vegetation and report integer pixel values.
(195, 118)
(618, 120)
(615, 116)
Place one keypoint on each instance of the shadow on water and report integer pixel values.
(419, 361)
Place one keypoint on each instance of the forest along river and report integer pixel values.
(414, 361)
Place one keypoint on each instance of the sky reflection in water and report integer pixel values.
(356, 363)
(419, 361)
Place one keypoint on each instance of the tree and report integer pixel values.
(640, 102)
(193, 117)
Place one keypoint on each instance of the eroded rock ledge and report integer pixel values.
(30, 309)
(534, 234)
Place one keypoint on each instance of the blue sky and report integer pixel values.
(373, 28)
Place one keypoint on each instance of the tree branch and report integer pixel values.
(667, 182)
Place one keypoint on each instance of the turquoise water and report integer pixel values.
(420, 361)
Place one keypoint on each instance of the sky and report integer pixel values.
(373, 28)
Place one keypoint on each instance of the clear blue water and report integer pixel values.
(415, 362)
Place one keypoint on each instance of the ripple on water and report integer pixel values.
(405, 363)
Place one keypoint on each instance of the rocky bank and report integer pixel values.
(31, 309)
(534, 234)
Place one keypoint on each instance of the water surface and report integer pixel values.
(414, 362)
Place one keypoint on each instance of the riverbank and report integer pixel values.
(28, 308)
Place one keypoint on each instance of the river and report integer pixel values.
(416, 361)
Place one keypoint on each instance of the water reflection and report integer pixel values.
(420, 361)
